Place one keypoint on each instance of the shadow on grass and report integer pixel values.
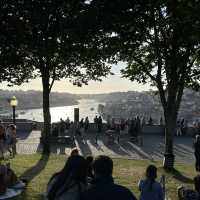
(180, 177)
(35, 170)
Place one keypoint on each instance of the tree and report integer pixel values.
(160, 42)
(11, 45)
(55, 47)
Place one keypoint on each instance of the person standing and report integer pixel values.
(178, 128)
(67, 123)
(108, 122)
(149, 187)
(11, 139)
(2, 140)
(197, 152)
(95, 122)
(86, 124)
(99, 124)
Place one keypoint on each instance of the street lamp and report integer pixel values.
(13, 104)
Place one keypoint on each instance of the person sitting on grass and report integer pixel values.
(150, 188)
(189, 194)
(70, 182)
(103, 186)
(8, 179)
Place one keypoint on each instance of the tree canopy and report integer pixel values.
(10, 45)
(160, 42)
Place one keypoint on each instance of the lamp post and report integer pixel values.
(13, 104)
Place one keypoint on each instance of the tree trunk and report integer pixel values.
(170, 128)
(46, 114)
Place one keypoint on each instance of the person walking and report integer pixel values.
(197, 152)
(149, 187)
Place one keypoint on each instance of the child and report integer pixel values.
(149, 187)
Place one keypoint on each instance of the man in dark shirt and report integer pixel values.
(103, 186)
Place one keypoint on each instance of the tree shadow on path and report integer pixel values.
(32, 172)
(180, 177)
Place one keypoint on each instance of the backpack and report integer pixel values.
(187, 194)
(190, 195)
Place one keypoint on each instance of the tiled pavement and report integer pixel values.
(152, 148)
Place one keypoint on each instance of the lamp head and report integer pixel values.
(13, 101)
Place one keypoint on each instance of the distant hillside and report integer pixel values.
(33, 99)
(132, 103)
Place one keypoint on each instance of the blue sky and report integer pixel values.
(110, 84)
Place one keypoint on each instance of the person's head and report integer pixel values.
(197, 183)
(151, 172)
(89, 159)
(103, 166)
(12, 127)
(76, 167)
(75, 170)
(74, 152)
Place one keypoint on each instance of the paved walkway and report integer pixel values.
(153, 147)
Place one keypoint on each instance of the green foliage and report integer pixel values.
(54, 43)
(157, 39)
(11, 45)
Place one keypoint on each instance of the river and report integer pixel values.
(87, 107)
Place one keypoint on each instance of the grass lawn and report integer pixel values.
(38, 169)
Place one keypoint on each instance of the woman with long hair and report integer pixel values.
(149, 187)
(70, 182)
(197, 152)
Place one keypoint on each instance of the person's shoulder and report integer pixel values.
(157, 185)
(125, 192)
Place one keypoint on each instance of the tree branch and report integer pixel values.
(53, 79)
(144, 68)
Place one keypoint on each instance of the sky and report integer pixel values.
(110, 84)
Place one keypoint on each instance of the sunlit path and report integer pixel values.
(152, 148)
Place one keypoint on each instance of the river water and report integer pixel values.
(87, 107)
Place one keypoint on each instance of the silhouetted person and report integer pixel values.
(96, 122)
(74, 152)
(189, 194)
(70, 182)
(90, 174)
(2, 140)
(150, 122)
(103, 187)
(197, 152)
(99, 124)
(86, 124)
(150, 188)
